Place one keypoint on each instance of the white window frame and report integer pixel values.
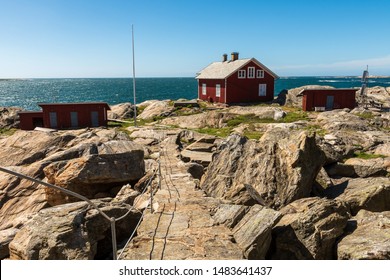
(259, 74)
(241, 74)
(204, 89)
(217, 90)
(251, 72)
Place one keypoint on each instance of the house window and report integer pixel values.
(204, 89)
(251, 72)
(241, 74)
(217, 90)
(260, 74)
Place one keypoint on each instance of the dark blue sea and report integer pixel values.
(27, 93)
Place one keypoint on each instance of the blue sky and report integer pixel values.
(85, 38)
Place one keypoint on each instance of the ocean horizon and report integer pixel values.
(27, 92)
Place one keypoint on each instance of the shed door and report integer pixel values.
(329, 102)
(74, 120)
(95, 118)
(217, 90)
(53, 119)
(262, 89)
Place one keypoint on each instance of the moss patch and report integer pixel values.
(7, 131)
(363, 155)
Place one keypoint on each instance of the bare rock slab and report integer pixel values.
(370, 240)
(372, 194)
(70, 231)
(253, 232)
(309, 229)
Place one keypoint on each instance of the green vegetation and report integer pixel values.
(316, 128)
(252, 134)
(252, 119)
(220, 132)
(7, 131)
(294, 116)
(365, 115)
(363, 155)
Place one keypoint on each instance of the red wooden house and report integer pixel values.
(66, 115)
(328, 99)
(236, 81)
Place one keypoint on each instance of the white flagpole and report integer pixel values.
(135, 102)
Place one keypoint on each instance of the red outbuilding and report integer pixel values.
(66, 115)
(236, 81)
(328, 99)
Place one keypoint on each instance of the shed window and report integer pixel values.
(241, 74)
(251, 72)
(260, 73)
(204, 89)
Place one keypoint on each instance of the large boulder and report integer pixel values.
(309, 229)
(156, 109)
(278, 169)
(372, 194)
(9, 117)
(253, 232)
(96, 173)
(121, 111)
(369, 239)
(71, 231)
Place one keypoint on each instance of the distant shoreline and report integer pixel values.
(282, 77)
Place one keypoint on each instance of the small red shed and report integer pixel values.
(66, 115)
(328, 99)
(30, 120)
(236, 81)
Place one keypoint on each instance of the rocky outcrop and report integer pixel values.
(27, 147)
(279, 169)
(121, 111)
(9, 117)
(94, 174)
(21, 198)
(372, 194)
(369, 239)
(72, 231)
(347, 133)
(380, 95)
(215, 119)
(261, 112)
(156, 109)
(308, 229)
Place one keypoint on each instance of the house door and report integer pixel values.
(95, 118)
(329, 102)
(53, 119)
(262, 89)
(74, 120)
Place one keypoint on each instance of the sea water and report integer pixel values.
(26, 93)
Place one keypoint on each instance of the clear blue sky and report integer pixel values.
(85, 38)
